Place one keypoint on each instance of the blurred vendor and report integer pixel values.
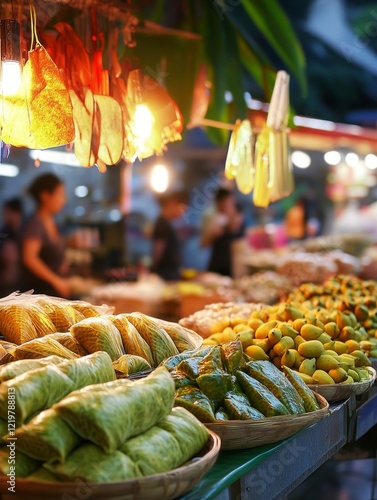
(166, 245)
(221, 227)
(43, 248)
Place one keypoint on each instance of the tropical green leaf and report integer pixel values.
(271, 20)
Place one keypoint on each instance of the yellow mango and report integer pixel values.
(308, 366)
(254, 323)
(361, 359)
(321, 377)
(274, 336)
(311, 349)
(263, 330)
(298, 323)
(332, 329)
(298, 340)
(241, 328)
(355, 376)
(329, 346)
(263, 343)
(338, 375)
(346, 333)
(373, 353)
(209, 341)
(306, 378)
(291, 313)
(256, 314)
(310, 332)
(340, 347)
(288, 358)
(287, 330)
(361, 313)
(326, 363)
(324, 338)
(237, 320)
(366, 345)
(256, 352)
(246, 337)
(283, 344)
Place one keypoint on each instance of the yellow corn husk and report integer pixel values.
(42, 323)
(128, 364)
(183, 338)
(264, 176)
(67, 340)
(63, 316)
(41, 348)
(16, 325)
(133, 342)
(231, 163)
(86, 309)
(99, 334)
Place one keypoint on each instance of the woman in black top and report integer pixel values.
(42, 249)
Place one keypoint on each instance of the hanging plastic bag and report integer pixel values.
(239, 161)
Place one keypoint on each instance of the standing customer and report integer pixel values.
(42, 249)
(221, 227)
(9, 246)
(166, 245)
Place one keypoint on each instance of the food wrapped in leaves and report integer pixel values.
(158, 340)
(238, 407)
(154, 451)
(41, 321)
(41, 348)
(109, 418)
(10, 458)
(61, 314)
(195, 402)
(133, 342)
(99, 334)
(172, 362)
(43, 475)
(3, 427)
(221, 415)
(34, 391)
(183, 338)
(128, 364)
(191, 434)
(180, 380)
(95, 368)
(16, 325)
(90, 464)
(86, 309)
(16, 368)
(260, 397)
(67, 340)
(47, 438)
(212, 380)
(190, 367)
(232, 356)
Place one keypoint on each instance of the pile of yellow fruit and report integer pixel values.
(325, 346)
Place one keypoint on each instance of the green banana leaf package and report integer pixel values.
(133, 342)
(11, 457)
(129, 364)
(12, 370)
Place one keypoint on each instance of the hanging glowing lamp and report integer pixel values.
(155, 118)
(10, 56)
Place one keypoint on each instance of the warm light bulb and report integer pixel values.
(160, 178)
(143, 122)
(10, 77)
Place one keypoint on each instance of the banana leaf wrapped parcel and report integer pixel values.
(24, 465)
(109, 418)
(12, 370)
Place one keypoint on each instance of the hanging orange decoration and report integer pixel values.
(39, 115)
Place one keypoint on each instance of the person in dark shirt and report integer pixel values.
(166, 246)
(221, 227)
(42, 248)
(9, 246)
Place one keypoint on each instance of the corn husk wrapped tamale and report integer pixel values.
(154, 451)
(24, 465)
(41, 321)
(191, 434)
(133, 342)
(41, 348)
(16, 325)
(109, 418)
(67, 340)
(16, 368)
(47, 438)
(99, 334)
(61, 314)
(91, 464)
(39, 389)
(183, 338)
(158, 340)
(128, 364)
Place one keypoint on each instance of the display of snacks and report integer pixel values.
(214, 318)
(112, 431)
(265, 287)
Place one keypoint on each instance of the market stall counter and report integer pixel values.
(272, 471)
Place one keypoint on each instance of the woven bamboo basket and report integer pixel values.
(242, 434)
(337, 392)
(164, 486)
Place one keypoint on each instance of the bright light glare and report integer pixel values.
(10, 77)
(301, 159)
(332, 157)
(371, 161)
(352, 159)
(143, 122)
(159, 178)
(58, 157)
(115, 215)
(81, 191)
(8, 170)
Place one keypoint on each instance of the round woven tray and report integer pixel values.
(241, 434)
(164, 486)
(337, 392)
